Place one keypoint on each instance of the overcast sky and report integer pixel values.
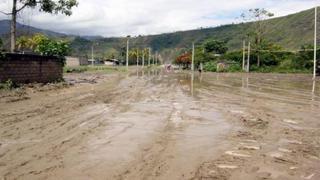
(141, 17)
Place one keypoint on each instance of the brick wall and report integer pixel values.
(26, 68)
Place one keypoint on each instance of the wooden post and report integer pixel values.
(127, 53)
(192, 63)
(149, 57)
(315, 44)
(248, 63)
(137, 58)
(143, 58)
(244, 55)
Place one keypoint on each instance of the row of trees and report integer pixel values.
(273, 58)
(265, 56)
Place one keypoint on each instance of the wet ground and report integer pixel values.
(158, 125)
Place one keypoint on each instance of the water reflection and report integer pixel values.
(192, 81)
(314, 87)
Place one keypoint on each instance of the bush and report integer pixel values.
(234, 68)
(235, 56)
(210, 66)
(49, 47)
(8, 85)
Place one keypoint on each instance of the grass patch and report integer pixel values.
(102, 69)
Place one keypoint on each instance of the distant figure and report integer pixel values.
(200, 68)
(168, 68)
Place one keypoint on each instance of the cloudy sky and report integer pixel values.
(141, 17)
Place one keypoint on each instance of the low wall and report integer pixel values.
(26, 68)
(76, 61)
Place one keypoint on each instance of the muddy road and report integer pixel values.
(157, 125)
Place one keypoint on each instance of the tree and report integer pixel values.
(134, 53)
(111, 53)
(258, 30)
(184, 59)
(48, 6)
(145, 55)
(1, 43)
(50, 47)
(218, 47)
(23, 43)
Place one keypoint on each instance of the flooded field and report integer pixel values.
(158, 125)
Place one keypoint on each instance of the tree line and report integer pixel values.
(265, 56)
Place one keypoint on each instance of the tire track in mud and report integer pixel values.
(161, 156)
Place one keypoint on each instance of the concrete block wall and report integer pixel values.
(26, 68)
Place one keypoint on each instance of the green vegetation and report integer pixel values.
(272, 59)
(8, 85)
(43, 45)
(102, 69)
(290, 32)
(48, 6)
(214, 46)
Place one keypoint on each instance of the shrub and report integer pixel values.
(8, 85)
(234, 68)
(210, 66)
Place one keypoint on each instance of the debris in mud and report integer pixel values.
(284, 150)
(255, 123)
(264, 175)
(249, 148)
(290, 121)
(308, 177)
(236, 154)
(223, 166)
(279, 157)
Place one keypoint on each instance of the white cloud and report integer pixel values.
(122, 17)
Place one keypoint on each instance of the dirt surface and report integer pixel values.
(157, 125)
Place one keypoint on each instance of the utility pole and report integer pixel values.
(92, 55)
(127, 55)
(315, 44)
(137, 57)
(248, 63)
(243, 55)
(192, 64)
(149, 57)
(143, 57)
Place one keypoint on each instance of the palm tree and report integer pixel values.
(135, 54)
(145, 53)
(22, 43)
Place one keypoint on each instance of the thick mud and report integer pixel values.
(158, 125)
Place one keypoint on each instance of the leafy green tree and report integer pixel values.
(218, 47)
(50, 47)
(304, 58)
(1, 43)
(48, 6)
(258, 29)
(112, 53)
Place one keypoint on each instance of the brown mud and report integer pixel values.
(157, 125)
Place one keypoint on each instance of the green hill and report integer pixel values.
(290, 32)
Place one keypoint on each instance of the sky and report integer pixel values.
(113, 18)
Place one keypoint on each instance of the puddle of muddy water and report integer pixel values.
(164, 125)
